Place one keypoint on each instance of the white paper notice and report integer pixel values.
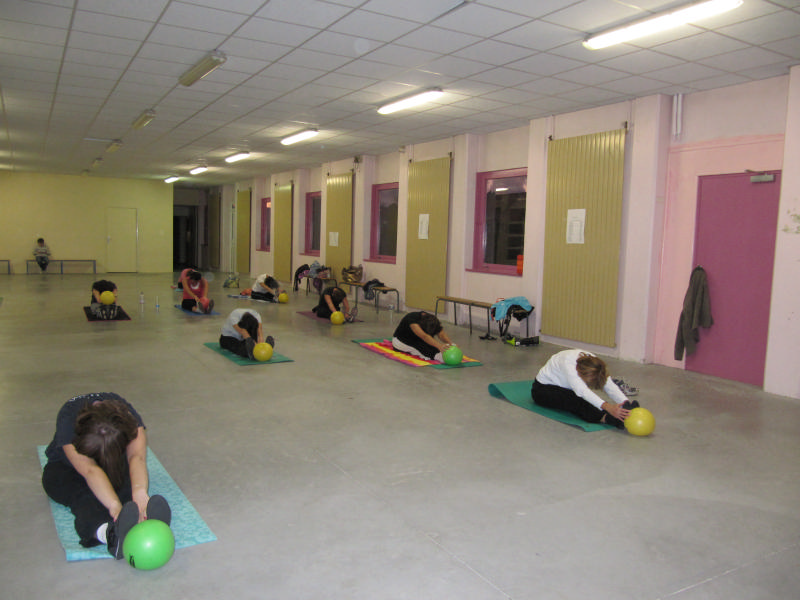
(333, 238)
(576, 221)
(424, 223)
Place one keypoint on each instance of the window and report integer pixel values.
(313, 222)
(266, 219)
(383, 236)
(499, 220)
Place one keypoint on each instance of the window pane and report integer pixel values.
(266, 215)
(316, 220)
(505, 220)
(387, 224)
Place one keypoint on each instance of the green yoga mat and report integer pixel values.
(246, 362)
(519, 393)
(187, 524)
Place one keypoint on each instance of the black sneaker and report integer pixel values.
(210, 307)
(630, 404)
(158, 508)
(117, 530)
(271, 341)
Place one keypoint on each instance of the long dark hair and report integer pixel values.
(103, 431)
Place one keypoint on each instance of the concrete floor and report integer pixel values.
(344, 475)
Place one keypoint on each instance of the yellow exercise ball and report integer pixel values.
(283, 297)
(640, 422)
(262, 352)
(107, 297)
(337, 318)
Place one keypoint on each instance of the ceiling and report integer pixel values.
(74, 74)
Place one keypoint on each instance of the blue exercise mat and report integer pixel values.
(187, 524)
(196, 314)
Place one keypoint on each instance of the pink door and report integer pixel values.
(737, 221)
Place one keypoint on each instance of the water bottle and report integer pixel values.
(141, 297)
(157, 307)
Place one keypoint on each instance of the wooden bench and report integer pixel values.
(60, 262)
(469, 304)
(383, 289)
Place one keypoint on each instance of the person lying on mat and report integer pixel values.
(421, 334)
(329, 302)
(100, 309)
(195, 293)
(97, 467)
(265, 287)
(242, 331)
(567, 381)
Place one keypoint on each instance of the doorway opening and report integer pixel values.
(184, 238)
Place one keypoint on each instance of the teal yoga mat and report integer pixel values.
(187, 524)
(519, 393)
(195, 314)
(241, 360)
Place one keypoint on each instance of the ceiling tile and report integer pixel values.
(303, 12)
(436, 39)
(482, 21)
(421, 11)
(545, 64)
(339, 43)
(538, 35)
(770, 28)
(372, 26)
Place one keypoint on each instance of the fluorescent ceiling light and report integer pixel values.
(299, 137)
(411, 101)
(198, 170)
(143, 119)
(209, 62)
(501, 189)
(237, 157)
(171, 179)
(97, 162)
(660, 22)
(113, 146)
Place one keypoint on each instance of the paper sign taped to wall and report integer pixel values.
(576, 222)
(424, 223)
(333, 238)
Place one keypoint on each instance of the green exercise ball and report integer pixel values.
(148, 545)
(452, 355)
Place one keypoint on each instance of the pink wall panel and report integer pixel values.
(735, 244)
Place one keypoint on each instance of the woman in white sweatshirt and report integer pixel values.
(566, 382)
